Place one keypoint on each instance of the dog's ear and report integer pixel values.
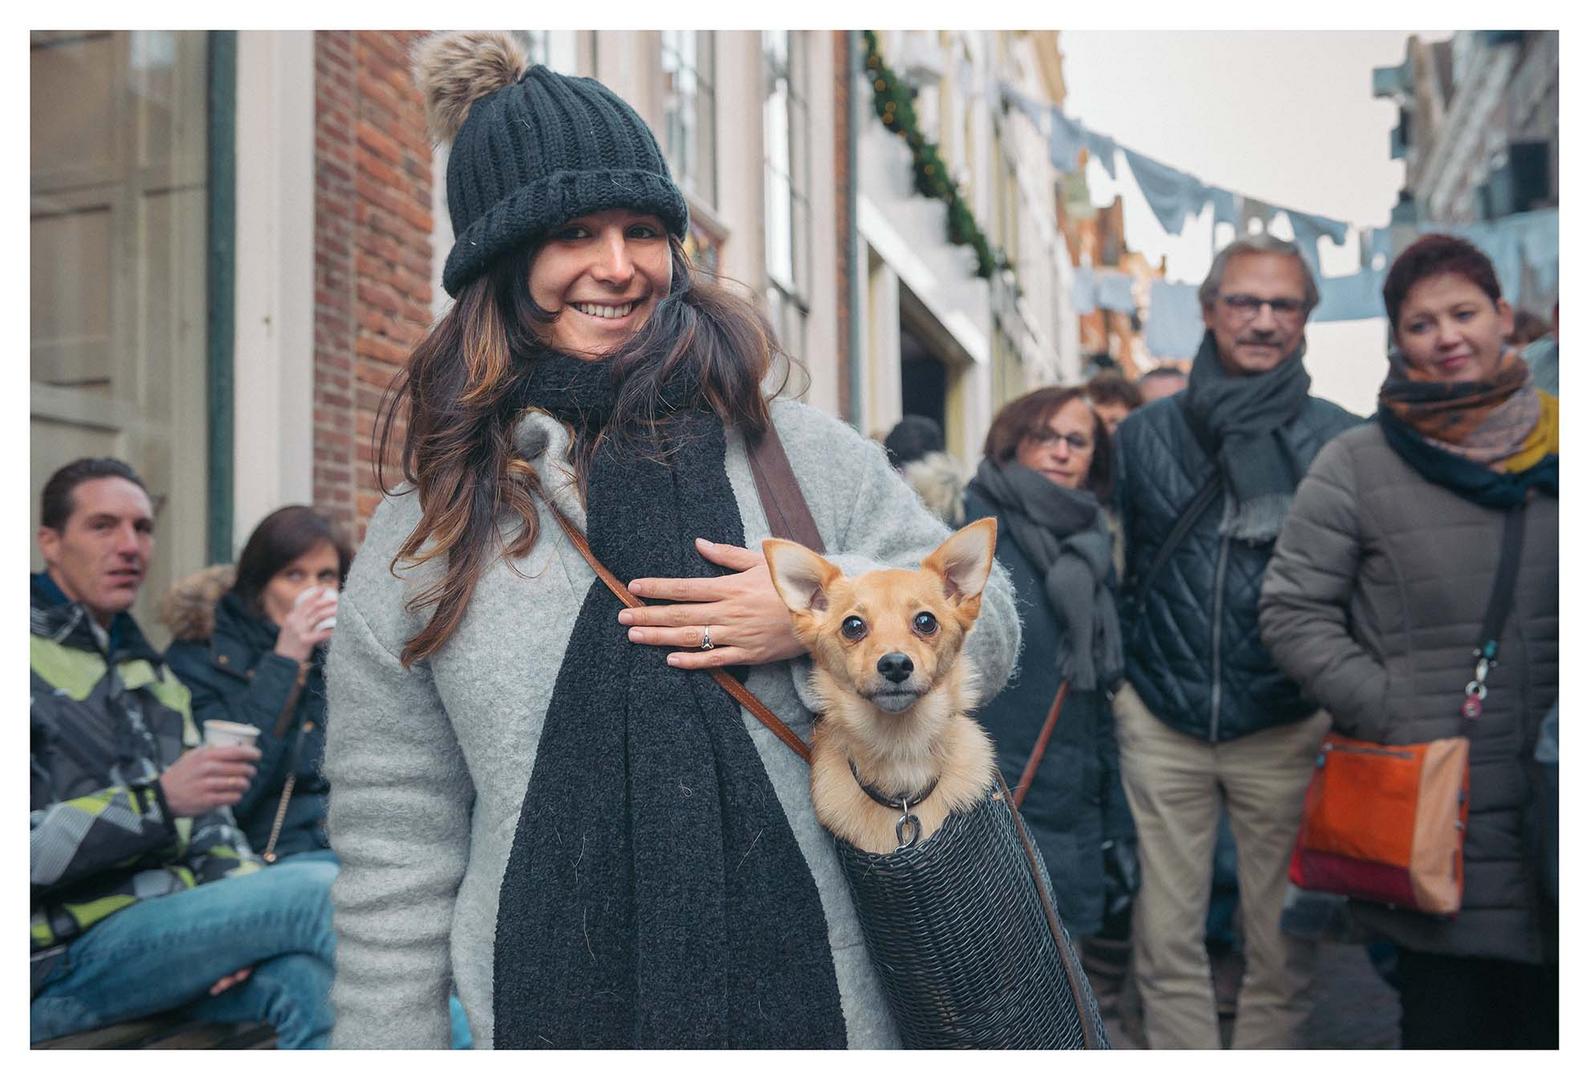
(965, 560)
(802, 577)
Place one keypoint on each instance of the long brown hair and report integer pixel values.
(464, 389)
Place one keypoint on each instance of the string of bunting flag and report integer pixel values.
(1528, 239)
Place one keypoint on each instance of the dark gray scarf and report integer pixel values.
(655, 895)
(1066, 536)
(1242, 416)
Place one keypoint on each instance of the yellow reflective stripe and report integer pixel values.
(75, 671)
(87, 914)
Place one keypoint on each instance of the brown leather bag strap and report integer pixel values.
(735, 689)
(788, 516)
(1029, 773)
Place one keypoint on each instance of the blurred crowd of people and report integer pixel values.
(1279, 570)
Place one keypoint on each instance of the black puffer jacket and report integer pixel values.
(225, 657)
(1192, 646)
(1076, 802)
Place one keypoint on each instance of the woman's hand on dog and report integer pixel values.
(749, 623)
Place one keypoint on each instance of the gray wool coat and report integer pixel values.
(1373, 602)
(428, 766)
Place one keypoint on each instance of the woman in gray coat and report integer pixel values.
(533, 790)
(1374, 602)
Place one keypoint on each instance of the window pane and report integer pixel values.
(117, 272)
(689, 111)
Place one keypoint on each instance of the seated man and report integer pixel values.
(145, 895)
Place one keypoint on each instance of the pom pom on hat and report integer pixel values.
(457, 68)
(529, 148)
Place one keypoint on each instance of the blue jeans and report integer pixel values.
(166, 953)
(462, 1038)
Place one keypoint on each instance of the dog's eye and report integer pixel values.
(853, 628)
(925, 623)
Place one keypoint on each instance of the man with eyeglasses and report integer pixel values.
(1204, 479)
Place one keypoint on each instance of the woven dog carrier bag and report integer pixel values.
(958, 934)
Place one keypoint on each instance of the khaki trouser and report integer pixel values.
(1174, 784)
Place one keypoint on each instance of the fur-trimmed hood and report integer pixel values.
(188, 607)
(937, 479)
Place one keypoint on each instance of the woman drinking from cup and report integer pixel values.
(247, 643)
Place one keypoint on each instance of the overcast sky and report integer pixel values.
(1288, 117)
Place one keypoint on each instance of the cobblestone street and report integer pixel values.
(1353, 1007)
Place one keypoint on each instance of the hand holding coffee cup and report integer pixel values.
(213, 775)
(309, 622)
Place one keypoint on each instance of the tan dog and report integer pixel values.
(893, 685)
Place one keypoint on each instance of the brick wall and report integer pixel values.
(372, 255)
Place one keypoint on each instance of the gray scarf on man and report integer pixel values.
(1239, 417)
(1066, 536)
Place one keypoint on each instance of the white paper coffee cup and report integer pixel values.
(324, 590)
(227, 733)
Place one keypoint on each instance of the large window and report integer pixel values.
(690, 110)
(787, 126)
(117, 207)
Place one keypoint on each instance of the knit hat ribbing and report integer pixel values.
(535, 153)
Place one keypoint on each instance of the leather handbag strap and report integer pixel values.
(788, 516)
(734, 687)
(1029, 773)
(1487, 651)
(1505, 583)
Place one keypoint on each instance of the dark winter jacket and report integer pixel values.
(1374, 601)
(1192, 648)
(226, 657)
(1076, 801)
(105, 720)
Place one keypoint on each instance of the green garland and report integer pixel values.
(892, 98)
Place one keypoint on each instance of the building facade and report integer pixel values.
(231, 261)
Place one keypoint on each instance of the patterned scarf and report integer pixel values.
(1489, 441)
(655, 895)
(1486, 422)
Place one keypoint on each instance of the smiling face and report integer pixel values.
(99, 557)
(1451, 331)
(1252, 340)
(1062, 449)
(603, 275)
(317, 567)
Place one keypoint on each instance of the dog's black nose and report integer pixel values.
(895, 667)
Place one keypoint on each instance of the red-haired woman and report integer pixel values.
(533, 789)
(1374, 602)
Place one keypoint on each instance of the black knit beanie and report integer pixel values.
(531, 149)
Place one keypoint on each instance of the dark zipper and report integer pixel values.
(1376, 751)
(1219, 612)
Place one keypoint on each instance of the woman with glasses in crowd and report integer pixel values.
(535, 789)
(1045, 475)
(1374, 602)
